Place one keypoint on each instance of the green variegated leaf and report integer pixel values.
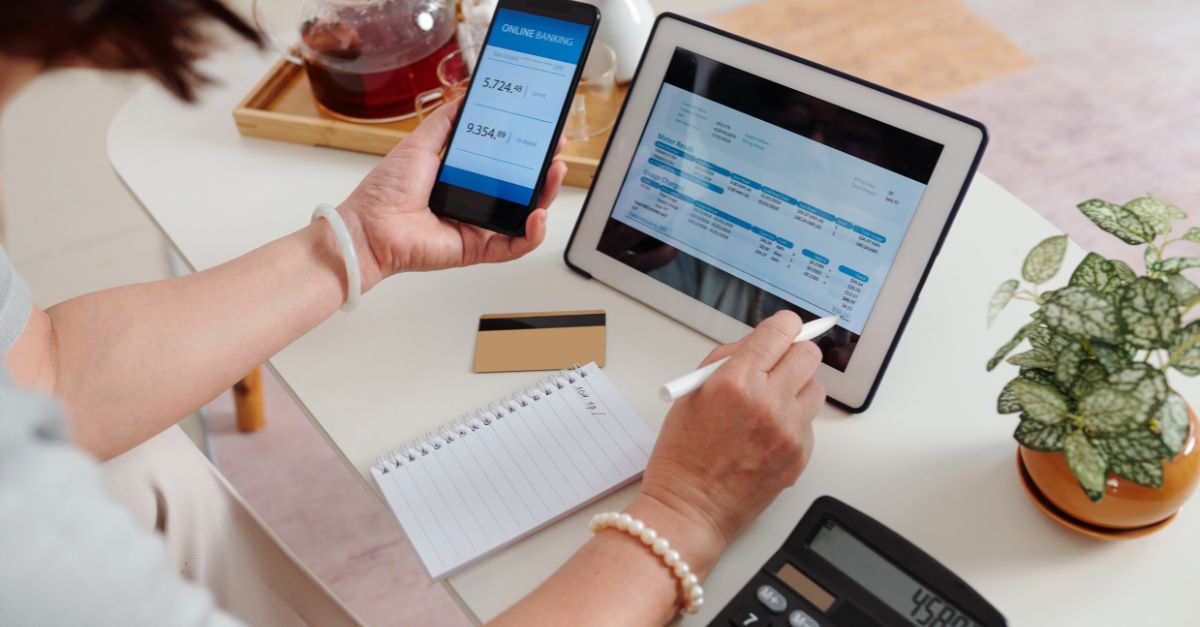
(1033, 359)
(1150, 256)
(1066, 366)
(1102, 275)
(1136, 456)
(1124, 273)
(1007, 402)
(1118, 221)
(1145, 383)
(1173, 423)
(1185, 350)
(1153, 212)
(1002, 353)
(1091, 375)
(1040, 436)
(1148, 313)
(1192, 235)
(1039, 375)
(1137, 445)
(1001, 298)
(1175, 212)
(1177, 264)
(1043, 403)
(1010, 345)
(1081, 313)
(1093, 272)
(1147, 473)
(1047, 341)
(1113, 358)
(1045, 260)
(1110, 410)
(1086, 463)
(1184, 290)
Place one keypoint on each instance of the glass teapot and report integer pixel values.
(366, 60)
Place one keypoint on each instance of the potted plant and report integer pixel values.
(1102, 435)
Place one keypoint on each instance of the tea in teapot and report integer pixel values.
(368, 59)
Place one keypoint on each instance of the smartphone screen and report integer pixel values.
(510, 121)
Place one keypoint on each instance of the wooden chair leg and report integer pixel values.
(248, 401)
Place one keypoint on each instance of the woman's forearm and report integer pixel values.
(615, 580)
(131, 361)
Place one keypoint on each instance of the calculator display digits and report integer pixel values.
(921, 606)
(841, 568)
(929, 610)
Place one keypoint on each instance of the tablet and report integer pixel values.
(740, 180)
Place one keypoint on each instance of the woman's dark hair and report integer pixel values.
(164, 38)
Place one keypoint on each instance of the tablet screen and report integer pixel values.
(752, 197)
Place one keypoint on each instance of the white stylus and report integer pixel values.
(688, 383)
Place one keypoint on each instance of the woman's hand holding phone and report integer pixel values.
(395, 231)
(516, 104)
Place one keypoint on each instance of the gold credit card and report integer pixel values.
(539, 341)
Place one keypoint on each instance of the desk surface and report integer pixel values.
(931, 458)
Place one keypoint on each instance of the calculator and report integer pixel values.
(842, 568)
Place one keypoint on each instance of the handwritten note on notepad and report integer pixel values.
(488, 481)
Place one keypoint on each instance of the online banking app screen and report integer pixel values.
(508, 121)
(752, 197)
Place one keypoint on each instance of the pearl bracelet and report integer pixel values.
(689, 584)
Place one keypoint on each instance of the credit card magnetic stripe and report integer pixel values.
(542, 322)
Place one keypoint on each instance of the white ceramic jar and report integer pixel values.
(625, 27)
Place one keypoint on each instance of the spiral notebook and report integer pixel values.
(488, 480)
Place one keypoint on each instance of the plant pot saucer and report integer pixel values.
(1076, 525)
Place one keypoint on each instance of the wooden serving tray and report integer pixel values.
(281, 107)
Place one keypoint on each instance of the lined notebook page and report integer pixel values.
(530, 459)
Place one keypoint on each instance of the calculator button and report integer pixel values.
(744, 616)
(800, 618)
(772, 598)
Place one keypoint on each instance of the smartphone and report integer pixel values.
(504, 139)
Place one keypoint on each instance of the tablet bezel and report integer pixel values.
(963, 140)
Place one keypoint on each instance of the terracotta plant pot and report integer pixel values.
(1126, 507)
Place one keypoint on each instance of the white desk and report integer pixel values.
(931, 458)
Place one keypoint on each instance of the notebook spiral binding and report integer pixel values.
(419, 447)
